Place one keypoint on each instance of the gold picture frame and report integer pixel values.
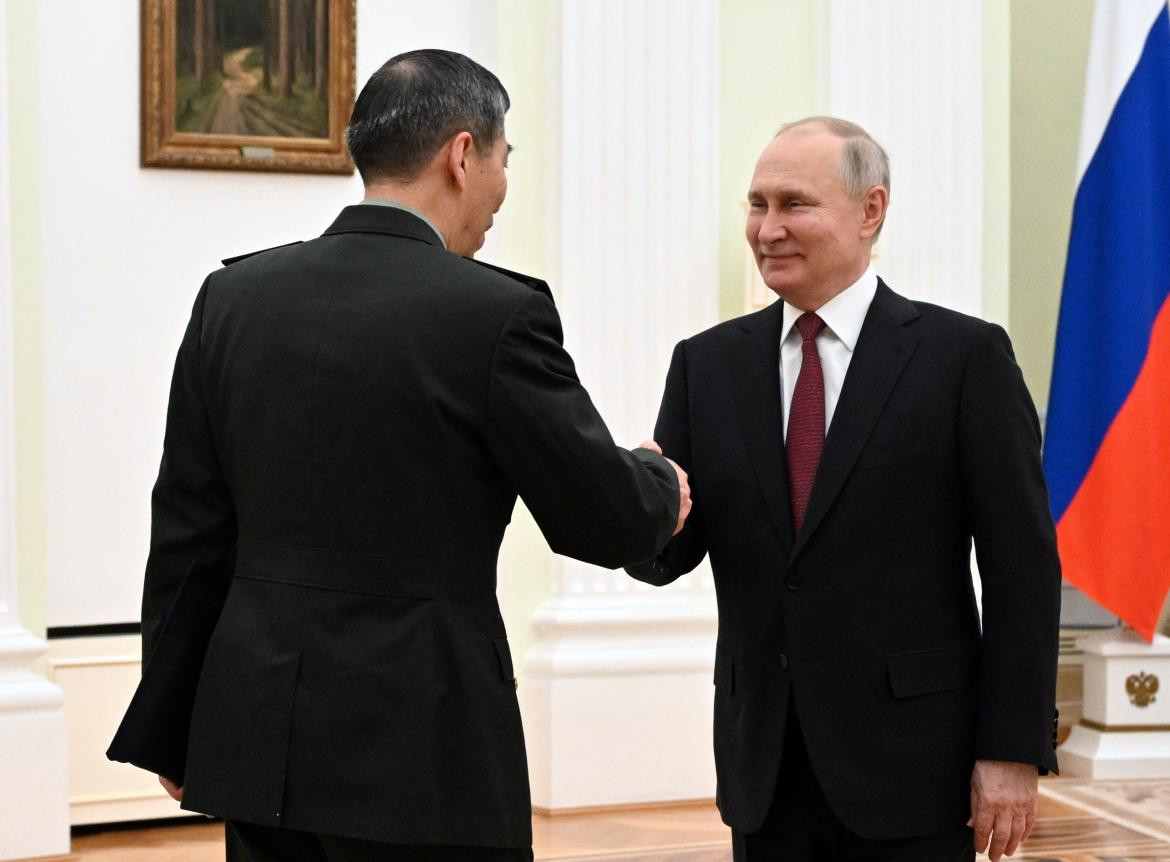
(254, 85)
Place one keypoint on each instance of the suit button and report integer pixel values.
(783, 661)
(793, 582)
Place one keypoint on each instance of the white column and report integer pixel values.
(34, 789)
(911, 73)
(617, 693)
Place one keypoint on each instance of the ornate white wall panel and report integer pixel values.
(911, 73)
(617, 694)
(33, 787)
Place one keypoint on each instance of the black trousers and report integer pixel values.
(247, 842)
(801, 827)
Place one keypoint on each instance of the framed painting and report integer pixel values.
(262, 85)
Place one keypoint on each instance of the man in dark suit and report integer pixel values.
(350, 422)
(861, 712)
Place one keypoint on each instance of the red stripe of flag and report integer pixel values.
(1114, 537)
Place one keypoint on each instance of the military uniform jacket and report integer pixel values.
(867, 617)
(350, 422)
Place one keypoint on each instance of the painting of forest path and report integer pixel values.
(252, 67)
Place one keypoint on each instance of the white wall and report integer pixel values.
(124, 252)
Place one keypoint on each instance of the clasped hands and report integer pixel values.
(684, 487)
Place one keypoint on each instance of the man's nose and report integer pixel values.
(773, 228)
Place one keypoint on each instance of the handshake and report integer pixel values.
(684, 486)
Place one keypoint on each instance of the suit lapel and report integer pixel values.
(883, 348)
(754, 361)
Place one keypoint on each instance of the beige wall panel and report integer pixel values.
(98, 676)
(1049, 50)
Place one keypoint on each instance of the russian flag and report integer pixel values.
(1107, 447)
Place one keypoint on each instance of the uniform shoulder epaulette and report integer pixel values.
(531, 281)
(228, 261)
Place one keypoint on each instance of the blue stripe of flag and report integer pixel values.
(1118, 272)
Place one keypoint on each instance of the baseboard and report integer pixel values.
(624, 809)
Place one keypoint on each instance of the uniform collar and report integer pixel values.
(385, 202)
(394, 221)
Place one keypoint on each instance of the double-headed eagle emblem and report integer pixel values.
(1141, 688)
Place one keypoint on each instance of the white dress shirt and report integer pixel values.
(843, 316)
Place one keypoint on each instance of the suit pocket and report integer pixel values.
(724, 669)
(929, 671)
(507, 673)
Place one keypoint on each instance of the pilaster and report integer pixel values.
(912, 75)
(617, 691)
(34, 792)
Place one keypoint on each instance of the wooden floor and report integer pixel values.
(1079, 821)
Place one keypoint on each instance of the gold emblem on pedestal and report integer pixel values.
(1141, 688)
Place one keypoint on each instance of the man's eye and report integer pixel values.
(757, 205)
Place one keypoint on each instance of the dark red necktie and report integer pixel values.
(806, 419)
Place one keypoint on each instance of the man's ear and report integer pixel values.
(874, 210)
(457, 153)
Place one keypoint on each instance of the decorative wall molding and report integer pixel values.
(633, 226)
(756, 293)
(98, 676)
(599, 639)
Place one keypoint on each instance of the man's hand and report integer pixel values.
(1003, 805)
(172, 789)
(684, 486)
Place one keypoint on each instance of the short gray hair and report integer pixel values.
(414, 104)
(864, 164)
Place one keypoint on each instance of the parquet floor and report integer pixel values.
(1079, 821)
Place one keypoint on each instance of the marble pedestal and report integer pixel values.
(1125, 731)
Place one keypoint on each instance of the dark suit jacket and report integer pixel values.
(867, 617)
(355, 416)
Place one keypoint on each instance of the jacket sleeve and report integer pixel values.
(593, 500)
(673, 433)
(193, 519)
(1015, 545)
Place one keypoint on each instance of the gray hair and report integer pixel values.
(414, 104)
(864, 164)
